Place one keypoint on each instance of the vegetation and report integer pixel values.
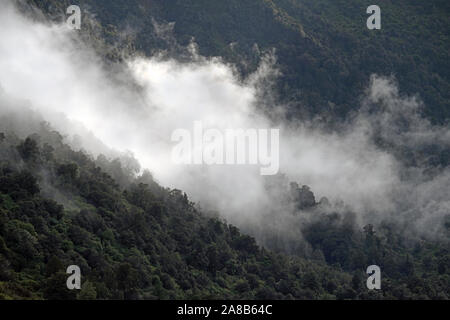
(141, 241)
(324, 50)
(134, 239)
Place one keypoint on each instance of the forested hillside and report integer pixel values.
(138, 240)
(324, 49)
(134, 238)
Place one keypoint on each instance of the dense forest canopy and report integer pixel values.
(138, 240)
(135, 238)
(324, 49)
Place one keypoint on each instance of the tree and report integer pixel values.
(53, 266)
(29, 150)
(55, 288)
(69, 171)
(87, 291)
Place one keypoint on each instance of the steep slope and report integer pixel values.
(142, 242)
(134, 239)
(137, 240)
(324, 49)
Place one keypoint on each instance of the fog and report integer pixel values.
(136, 107)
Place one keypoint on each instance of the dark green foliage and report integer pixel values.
(136, 240)
(324, 50)
(141, 242)
(29, 150)
(147, 242)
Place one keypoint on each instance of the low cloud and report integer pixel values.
(137, 105)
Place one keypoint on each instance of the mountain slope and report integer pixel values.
(143, 242)
(134, 239)
(324, 49)
(137, 240)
